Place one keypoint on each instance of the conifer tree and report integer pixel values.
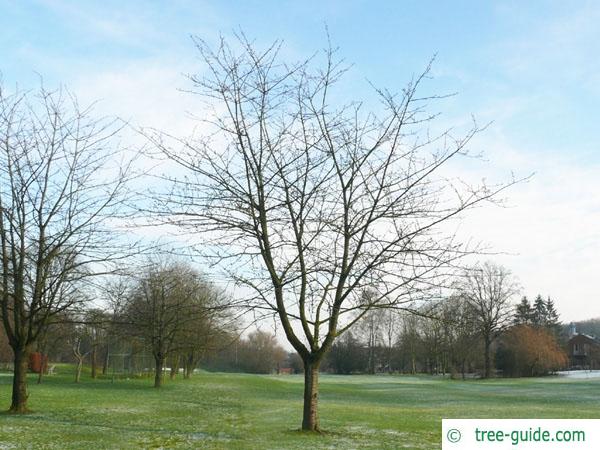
(552, 322)
(523, 312)
(539, 311)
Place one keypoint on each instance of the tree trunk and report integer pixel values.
(78, 369)
(105, 362)
(174, 367)
(310, 418)
(158, 372)
(44, 366)
(186, 369)
(93, 358)
(487, 359)
(189, 363)
(19, 391)
(41, 374)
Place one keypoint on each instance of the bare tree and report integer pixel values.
(155, 310)
(390, 319)
(489, 288)
(450, 335)
(80, 333)
(305, 203)
(115, 294)
(370, 329)
(410, 340)
(168, 301)
(97, 322)
(347, 355)
(461, 333)
(55, 339)
(207, 334)
(259, 352)
(61, 182)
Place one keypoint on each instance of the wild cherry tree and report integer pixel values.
(63, 184)
(168, 301)
(306, 200)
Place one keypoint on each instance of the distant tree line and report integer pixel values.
(167, 315)
(258, 352)
(590, 327)
(455, 336)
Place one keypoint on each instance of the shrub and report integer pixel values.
(529, 351)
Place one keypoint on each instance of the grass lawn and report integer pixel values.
(237, 411)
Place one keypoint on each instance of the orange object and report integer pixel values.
(38, 362)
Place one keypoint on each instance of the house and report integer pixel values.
(583, 351)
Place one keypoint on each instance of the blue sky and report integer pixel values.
(531, 67)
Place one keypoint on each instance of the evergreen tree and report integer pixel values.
(539, 312)
(552, 318)
(523, 312)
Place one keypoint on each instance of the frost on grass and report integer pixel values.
(183, 440)
(386, 438)
(118, 409)
(15, 433)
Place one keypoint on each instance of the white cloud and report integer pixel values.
(548, 229)
(143, 92)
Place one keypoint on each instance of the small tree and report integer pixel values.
(347, 355)
(115, 294)
(390, 327)
(409, 343)
(210, 330)
(530, 351)
(371, 329)
(165, 302)
(55, 341)
(260, 353)
(433, 340)
(77, 339)
(156, 308)
(97, 322)
(489, 288)
(461, 333)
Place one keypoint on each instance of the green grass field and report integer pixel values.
(236, 411)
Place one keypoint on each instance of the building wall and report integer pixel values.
(584, 352)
